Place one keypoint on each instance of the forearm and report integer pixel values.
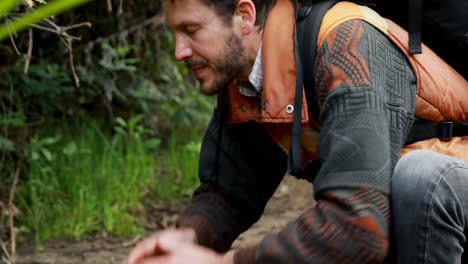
(216, 222)
(345, 226)
(237, 179)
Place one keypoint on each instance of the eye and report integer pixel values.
(190, 30)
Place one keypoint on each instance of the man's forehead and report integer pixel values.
(186, 11)
(186, 5)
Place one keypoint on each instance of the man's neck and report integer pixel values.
(252, 48)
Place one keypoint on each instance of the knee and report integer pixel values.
(420, 171)
(414, 172)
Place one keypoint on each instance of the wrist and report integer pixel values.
(190, 234)
(227, 258)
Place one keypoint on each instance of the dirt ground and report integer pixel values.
(291, 198)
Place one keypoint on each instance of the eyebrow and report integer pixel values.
(186, 24)
(182, 25)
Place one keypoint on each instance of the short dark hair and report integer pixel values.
(226, 8)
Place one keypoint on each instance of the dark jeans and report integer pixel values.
(429, 208)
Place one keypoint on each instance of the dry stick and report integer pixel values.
(5, 250)
(12, 211)
(120, 12)
(157, 20)
(12, 39)
(14, 45)
(109, 6)
(57, 27)
(55, 31)
(72, 64)
(62, 31)
(29, 55)
(84, 24)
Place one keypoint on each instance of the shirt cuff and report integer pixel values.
(202, 229)
(245, 255)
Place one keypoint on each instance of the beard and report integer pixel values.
(224, 69)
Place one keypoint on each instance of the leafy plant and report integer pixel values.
(43, 91)
(87, 180)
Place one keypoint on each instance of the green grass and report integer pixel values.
(85, 178)
(179, 166)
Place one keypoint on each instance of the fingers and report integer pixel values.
(157, 260)
(161, 243)
(186, 253)
(143, 249)
(170, 241)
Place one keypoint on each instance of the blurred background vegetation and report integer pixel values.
(96, 119)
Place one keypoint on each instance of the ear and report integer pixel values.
(247, 14)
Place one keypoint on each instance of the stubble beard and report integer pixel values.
(226, 69)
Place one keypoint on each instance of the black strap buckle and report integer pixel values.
(446, 130)
(303, 12)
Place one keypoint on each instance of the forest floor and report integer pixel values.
(289, 201)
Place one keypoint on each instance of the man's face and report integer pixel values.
(209, 46)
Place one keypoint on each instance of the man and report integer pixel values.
(242, 51)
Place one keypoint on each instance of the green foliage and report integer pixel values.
(161, 93)
(51, 9)
(43, 89)
(7, 5)
(12, 119)
(6, 144)
(113, 76)
(84, 178)
(132, 128)
(179, 166)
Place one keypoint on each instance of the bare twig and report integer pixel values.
(55, 31)
(12, 38)
(11, 209)
(52, 23)
(109, 6)
(120, 11)
(84, 24)
(5, 251)
(72, 65)
(29, 54)
(14, 44)
(155, 21)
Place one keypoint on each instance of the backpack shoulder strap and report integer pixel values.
(308, 26)
(308, 21)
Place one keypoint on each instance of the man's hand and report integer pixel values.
(189, 253)
(161, 243)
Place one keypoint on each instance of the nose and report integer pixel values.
(183, 50)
